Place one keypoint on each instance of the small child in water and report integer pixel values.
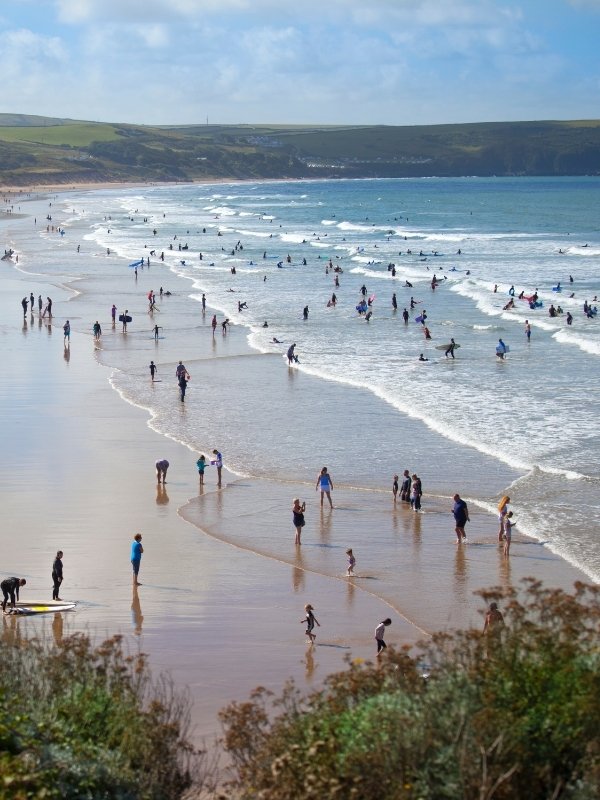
(395, 487)
(310, 620)
(201, 464)
(351, 563)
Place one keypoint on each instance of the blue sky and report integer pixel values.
(395, 62)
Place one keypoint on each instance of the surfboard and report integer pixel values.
(500, 350)
(123, 318)
(446, 346)
(27, 609)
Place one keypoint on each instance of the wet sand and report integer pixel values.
(223, 585)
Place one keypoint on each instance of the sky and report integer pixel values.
(355, 62)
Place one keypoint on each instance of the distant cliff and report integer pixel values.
(43, 150)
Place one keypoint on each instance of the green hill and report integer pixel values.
(42, 150)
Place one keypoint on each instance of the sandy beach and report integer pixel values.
(223, 588)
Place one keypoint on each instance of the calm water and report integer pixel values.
(527, 426)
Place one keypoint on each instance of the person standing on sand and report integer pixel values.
(298, 510)
(57, 575)
(10, 587)
(379, 634)
(203, 303)
(136, 557)
(218, 463)
(201, 464)
(214, 323)
(325, 484)
(113, 313)
(40, 304)
(461, 517)
(162, 465)
(310, 620)
(24, 303)
(67, 333)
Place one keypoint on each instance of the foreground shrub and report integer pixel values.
(507, 717)
(78, 721)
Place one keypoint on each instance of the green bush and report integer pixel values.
(506, 717)
(78, 721)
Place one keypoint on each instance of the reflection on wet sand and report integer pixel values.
(298, 572)
(57, 627)
(309, 662)
(460, 573)
(137, 617)
(162, 498)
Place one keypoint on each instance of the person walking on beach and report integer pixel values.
(40, 304)
(10, 588)
(508, 526)
(325, 484)
(153, 369)
(203, 303)
(57, 575)
(310, 620)
(136, 557)
(298, 510)
(379, 634)
(180, 370)
(201, 464)
(405, 487)
(182, 383)
(395, 487)
(351, 563)
(24, 303)
(67, 333)
(97, 331)
(214, 323)
(218, 463)
(162, 465)
(461, 517)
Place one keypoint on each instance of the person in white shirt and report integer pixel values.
(379, 632)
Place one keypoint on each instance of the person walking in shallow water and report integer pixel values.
(310, 620)
(325, 484)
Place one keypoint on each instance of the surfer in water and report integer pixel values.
(450, 349)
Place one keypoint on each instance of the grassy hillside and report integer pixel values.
(41, 150)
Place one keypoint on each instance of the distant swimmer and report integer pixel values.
(408, 285)
(276, 341)
(422, 358)
(569, 318)
(265, 324)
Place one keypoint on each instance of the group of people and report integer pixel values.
(162, 466)
(11, 586)
(460, 511)
(411, 489)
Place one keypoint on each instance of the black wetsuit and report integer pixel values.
(10, 588)
(57, 577)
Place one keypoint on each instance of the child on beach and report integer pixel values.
(508, 526)
(502, 509)
(395, 487)
(310, 620)
(351, 563)
(201, 463)
(379, 632)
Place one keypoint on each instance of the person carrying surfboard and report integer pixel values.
(450, 350)
(10, 588)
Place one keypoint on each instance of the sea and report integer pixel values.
(526, 426)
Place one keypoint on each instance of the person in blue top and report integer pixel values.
(136, 557)
(500, 349)
(461, 517)
(324, 483)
